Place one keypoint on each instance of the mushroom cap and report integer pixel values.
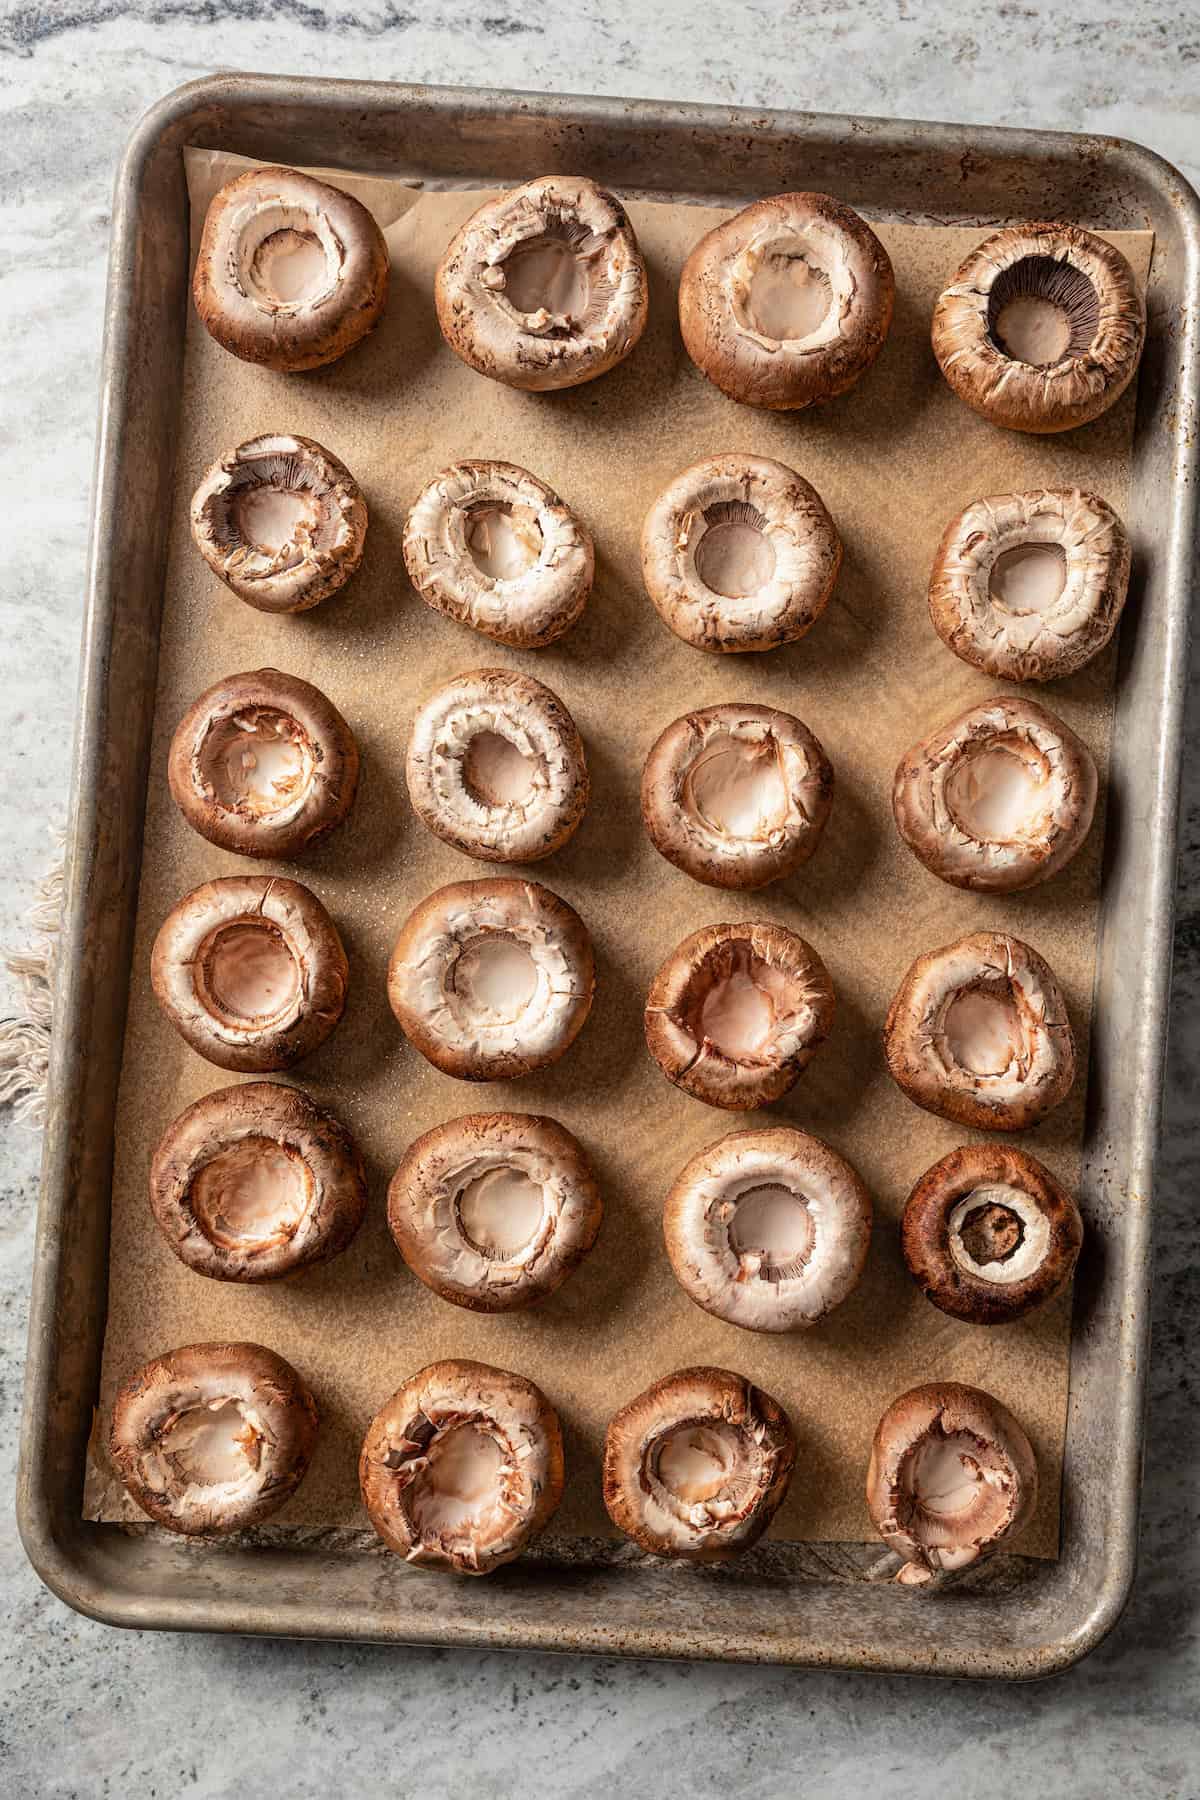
(1067, 273)
(988, 1234)
(257, 224)
(452, 1433)
(697, 1466)
(521, 1182)
(492, 979)
(736, 796)
(255, 1181)
(793, 263)
(737, 1012)
(991, 998)
(251, 972)
(754, 526)
(574, 257)
(768, 1229)
(255, 1444)
(496, 767)
(264, 764)
(952, 1476)
(299, 498)
(998, 799)
(976, 597)
(524, 583)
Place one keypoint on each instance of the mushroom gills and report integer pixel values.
(257, 761)
(496, 772)
(737, 788)
(460, 1486)
(495, 974)
(999, 1234)
(500, 1212)
(1042, 311)
(1029, 577)
(555, 273)
(701, 1466)
(504, 541)
(251, 1196)
(954, 1495)
(982, 1029)
(734, 556)
(208, 1446)
(274, 502)
(744, 1007)
(1000, 791)
(772, 1233)
(789, 294)
(246, 973)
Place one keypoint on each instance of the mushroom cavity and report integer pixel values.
(739, 553)
(492, 979)
(264, 764)
(1041, 328)
(213, 1437)
(462, 1467)
(698, 1465)
(1029, 587)
(544, 287)
(291, 272)
(988, 1234)
(736, 796)
(952, 1477)
(253, 1182)
(768, 1229)
(251, 972)
(978, 1032)
(493, 1211)
(1001, 798)
(496, 767)
(491, 546)
(788, 302)
(280, 521)
(737, 1011)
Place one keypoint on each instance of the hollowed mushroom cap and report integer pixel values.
(768, 1229)
(698, 1465)
(788, 302)
(494, 1210)
(280, 521)
(545, 286)
(1041, 328)
(491, 546)
(952, 1477)
(213, 1437)
(1029, 587)
(264, 764)
(250, 971)
(978, 1032)
(739, 553)
(496, 767)
(254, 1182)
(291, 272)
(737, 1012)
(736, 796)
(998, 799)
(462, 1467)
(492, 979)
(988, 1234)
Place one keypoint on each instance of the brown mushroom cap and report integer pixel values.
(1029, 587)
(788, 302)
(739, 553)
(256, 1181)
(698, 1465)
(281, 521)
(491, 546)
(952, 1477)
(736, 796)
(264, 764)
(544, 287)
(768, 1229)
(462, 1466)
(494, 1210)
(496, 767)
(291, 271)
(737, 1011)
(213, 1437)
(978, 1032)
(1041, 328)
(988, 1234)
(998, 799)
(492, 979)
(250, 971)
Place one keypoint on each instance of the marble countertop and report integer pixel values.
(88, 1711)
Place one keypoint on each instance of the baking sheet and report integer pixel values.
(893, 461)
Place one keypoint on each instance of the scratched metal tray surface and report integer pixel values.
(799, 1604)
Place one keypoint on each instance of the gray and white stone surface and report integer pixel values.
(89, 1711)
